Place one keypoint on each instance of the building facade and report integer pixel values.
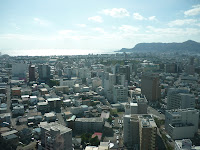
(55, 136)
(181, 123)
(150, 86)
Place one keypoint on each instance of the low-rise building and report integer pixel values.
(181, 123)
(89, 125)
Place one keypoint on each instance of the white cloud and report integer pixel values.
(128, 28)
(81, 25)
(182, 22)
(137, 16)
(65, 32)
(96, 19)
(194, 11)
(116, 12)
(174, 32)
(152, 18)
(101, 30)
(41, 22)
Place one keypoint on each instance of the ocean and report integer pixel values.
(50, 52)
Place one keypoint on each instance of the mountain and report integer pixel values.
(187, 46)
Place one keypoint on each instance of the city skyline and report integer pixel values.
(96, 25)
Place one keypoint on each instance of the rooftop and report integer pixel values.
(55, 127)
(89, 119)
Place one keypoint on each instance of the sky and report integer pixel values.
(96, 24)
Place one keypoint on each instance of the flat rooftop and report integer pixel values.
(55, 127)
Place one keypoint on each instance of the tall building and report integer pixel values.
(180, 98)
(32, 73)
(108, 81)
(181, 123)
(171, 68)
(150, 86)
(147, 132)
(19, 70)
(131, 122)
(44, 71)
(55, 136)
(131, 131)
(120, 93)
(126, 71)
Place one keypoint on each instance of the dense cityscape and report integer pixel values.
(100, 102)
(99, 75)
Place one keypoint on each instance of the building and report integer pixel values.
(180, 98)
(19, 70)
(16, 91)
(83, 125)
(108, 81)
(138, 106)
(150, 86)
(120, 93)
(185, 144)
(181, 123)
(171, 68)
(18, 110)
(131, 122)
(44, 71)
(54, 104)
(147, 132)
(55, 136)
(131, 130)
(32, 76)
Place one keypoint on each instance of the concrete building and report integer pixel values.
(147, 132)
(185, 144)
(131, 130)
(138, 106)
(54, 104)
(44, 71)
(18, 110)
(180, 98)
(181, 123)
(16, 91)
(171, 68)
(32, 76)
(89, 125)
(19, 70)
(120, 93)
(108, 81)
(55, 136)
(150, 86)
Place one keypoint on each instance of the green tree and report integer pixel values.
(94, 141)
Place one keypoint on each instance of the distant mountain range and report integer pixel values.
(187, 46)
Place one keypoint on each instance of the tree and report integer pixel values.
(110, 119)
(94, 141)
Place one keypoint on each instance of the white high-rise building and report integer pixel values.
(181, 123)
(180, 98)
(108, 81)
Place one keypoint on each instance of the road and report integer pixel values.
(155, 113)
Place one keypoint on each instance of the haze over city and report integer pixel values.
(81, 27)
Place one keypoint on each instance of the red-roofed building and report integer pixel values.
(98, 134)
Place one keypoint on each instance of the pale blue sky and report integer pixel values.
(96, 24)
